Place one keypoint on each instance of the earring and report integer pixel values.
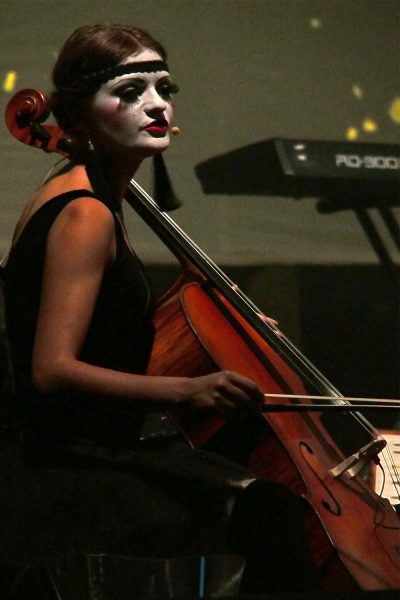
(90, 146)
(91, 156)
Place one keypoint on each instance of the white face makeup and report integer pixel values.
(134, 111)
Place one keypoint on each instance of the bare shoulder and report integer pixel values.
(87, 208)
(84, 231)
(68, 179)
(85, 216)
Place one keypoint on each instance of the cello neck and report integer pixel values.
(189, 254)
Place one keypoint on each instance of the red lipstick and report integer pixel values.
(159, 126)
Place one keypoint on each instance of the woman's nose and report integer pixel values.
(154, 101)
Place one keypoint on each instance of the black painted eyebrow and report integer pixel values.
(162, 79)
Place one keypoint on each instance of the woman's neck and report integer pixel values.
(112, 175)
(119, 174)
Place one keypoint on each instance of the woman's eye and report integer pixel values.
(129, 95)
(167, 89)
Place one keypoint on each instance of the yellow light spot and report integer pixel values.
(10, 81)
(315, 23)
(394, 111)
(357, 91)
(352, 133)
(369, 125)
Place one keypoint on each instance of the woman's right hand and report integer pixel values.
(224, 392)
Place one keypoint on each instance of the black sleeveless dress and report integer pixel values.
(119, 337)
(81, 479)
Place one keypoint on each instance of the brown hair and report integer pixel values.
(90, 49)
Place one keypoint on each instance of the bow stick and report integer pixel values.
(342, 404)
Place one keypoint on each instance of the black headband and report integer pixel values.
(103, 75)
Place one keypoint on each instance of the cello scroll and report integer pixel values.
(25, 113)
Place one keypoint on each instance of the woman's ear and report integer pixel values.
(79, 118)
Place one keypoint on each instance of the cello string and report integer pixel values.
(391, 469)
(152, 207)
(387, 455)
(256, 313)
(334, 394)
(264, 322)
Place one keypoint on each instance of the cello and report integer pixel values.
(204, 323)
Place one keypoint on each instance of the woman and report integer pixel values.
(79, 318)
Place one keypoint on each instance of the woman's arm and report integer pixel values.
(81, 247)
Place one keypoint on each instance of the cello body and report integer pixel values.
(354, 534)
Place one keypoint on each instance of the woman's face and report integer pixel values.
(133, 112)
